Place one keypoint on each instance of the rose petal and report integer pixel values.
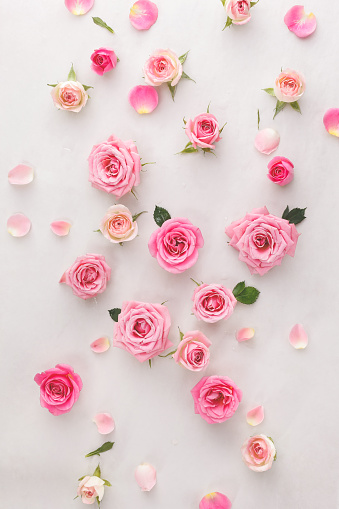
(21, 175)
(79, 7)
(60, 228)
(146, 476)
(331, 121)
(105, 423)
(298, 337)
(245, 334)
(255, 416)
(100, 345)
(18, 225)
(143, 14)
(215, 501)
(143, 98)
(267, 141)
(300, 23)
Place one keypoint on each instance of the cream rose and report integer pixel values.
(118, 225)
(69, 95)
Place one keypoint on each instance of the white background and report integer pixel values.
(43, 323)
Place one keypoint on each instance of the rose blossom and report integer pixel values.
(212, 303)
(142, 329)
(118, 225)
(289, 86)
(280, 171)
(162, 67)
(114, 166)
(203, 131)
(90, 488)
(193, 351)
(175, 245)
(103, 60)
(59, 388)
(216, 398)
(238, 11)
(69, 95)
(258, 453)
(87, 276)
(262, 240)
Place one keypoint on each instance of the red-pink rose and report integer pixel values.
(280, 171)
(203, 131)
(212, 303)
(103, 60)
(59, 388)
(193, 351)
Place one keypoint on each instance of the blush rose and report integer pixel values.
(193, 351)
(203, 131)
(103, 60)
(238, 11)
(69, 95)
(87, 276)
(258, 453)
(280, 171)
(118, 225)
(289, 86)
(212, 303)
(163, 67)
(90, 488)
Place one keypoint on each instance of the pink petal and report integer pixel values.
(143, 98)
(215, 501)
(79, 7)
(300, 23)
(105, 423)
(267, 141)
(298, 337)
(100, 345)
(60, 228)
(146, 476)
(331, 121)
(18, 225)
(21, 175)
(143, 14)
(255, 416)
(245, 334)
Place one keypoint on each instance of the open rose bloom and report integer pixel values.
(263, 240)
(258, 453)
(91, 489)
(163, 67)
(280, 171)
(69, 95)
(193, 351)
(212, 303)
(238, 11)
(203, 131)
(87, 276)
(289, 86)
(118, 225)
(103, 60)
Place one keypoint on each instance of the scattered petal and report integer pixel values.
(267, 141)
(21, 175)
(215, 501)
(105, 423)
(300, 23)
(146, 476)
(143, 14)
(60, 228)
(79, 7)
(331, 121)
(255, 416)
(143, 98)
(245, 334)
(298, 337)
(100, 345)
(18, 225)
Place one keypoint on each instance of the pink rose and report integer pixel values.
(90, 488)
(238, 11)
(142, 329)
(59, 388)
(289, 86)
(203, 131)
(87, 276)
(262, 240)
(175, 245)
(193, 351)
(280, 171)
(103, 60)
(69, 95)
(258, 453)
(216, 398)
(212, 303)
(163, 67)
(114, 166)
(118, 225)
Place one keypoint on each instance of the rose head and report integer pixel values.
(262, 240)
(90, 488)
(193, 351)
(59, 388)
(212, 303)
(289, 86)
(258, 453)
(118, 225)
(163, 67)
(238, 11)
(203, 131)
(280, 171)
(216, 398)
(87, 276)
(69, 95)
(103, 60)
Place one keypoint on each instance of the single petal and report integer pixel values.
(298, 337)
(146, 476)
(267, 141)
(331, 121)
(21, 175)
(79, 7)
(60, 228)
(215, 501)
(100, 345)
(143, 14)
(18, 225)
(300, 23)
(143, 98)
(105, 423)
(255, 416)
(245, 334)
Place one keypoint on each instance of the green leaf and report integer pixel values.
(285, 213)
(248, 296)
(295, 106)
(107, 446)
(181, 334)
(107, 483)
(114, 313)
(269, 91)
(279, 107)
(258, 119)
(150, 362)
(228, 23)
(183, 57)
(135, 217)
(167, 355)
(71, 75)
(101, 23)
(240, 287)
(252, 4)
(208, 150)
(188, 150)
(221, 130)
(185, 76)
(97, 472)
(52, 84)
(133, 192)
(294, 216)
(86, 87)
(160, 215)
(172, 90)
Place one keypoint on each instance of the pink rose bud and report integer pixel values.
(87, 276)
(193, 351)
(258, 453)
(280, 171)
(103, 60)
(215, 501)
(90, 489)
(203, 131)
(146, 476)
(163, 67)
(289, 86)
(213, 302)
(238, 11)
(69, 96)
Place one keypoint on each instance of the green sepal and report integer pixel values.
(269, 91)
(71, 75)
(150, 362)
(52, 84)
(252, 4)
(221, 130)
(258, 119)
(185, 76)
(167, 355)
(107, 483)
(295, 106)
(172, 90)
(223, 2)
(97, 472)
(160, 215)
(86, 87)
(183, 57)
(135, 217)
(279, 107)
(81, 478)
(228, 23)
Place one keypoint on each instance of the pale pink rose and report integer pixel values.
(103, 60)
(114, 166)
(59, 388)
(142, 329)
(216, 398)
(118, 225)
(175, 245)
(212, 303)
(203, 131)
(280, 171)
(70, 96)
(91, 488)
(289, 86)
(258, 453)
(163, 67)
(87, 276)
(193, 351)
(262, 240)
(238, 11)
(215, 501)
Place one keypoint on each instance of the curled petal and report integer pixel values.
(21, 175)
(60, 228)
(298, 337)
(143, 98)
(300, 23)
(143, 14)
(18, 225)
(79, 7)
(100, 345)
(267, 141)
(146, 476)
(105, 423)
(255, 416)
(331, 121)
(215, 501)
(245, 334)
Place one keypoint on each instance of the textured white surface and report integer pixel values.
(43, 323)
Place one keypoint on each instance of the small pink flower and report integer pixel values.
(300, 23)
(215, 501)
(280, 171)
(238, 11)
(103, 60)
(289, 86)
(331, 121)
(193, 351)
(267, 141)
(143, 14)
(163, 67)
(69, 96)
(146, 476)
(118, 225)
(91, 488)
(143, 98)
(258, 453)
(212, 303)
(203, 131)
(79, 7)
